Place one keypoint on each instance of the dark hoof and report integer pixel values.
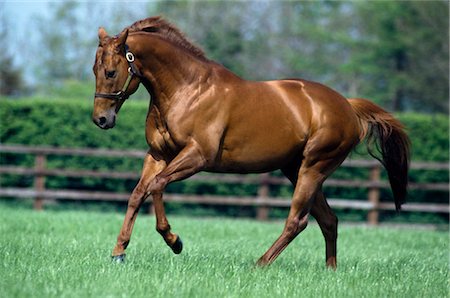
(261, 263)
(118, 259)
(177, 247)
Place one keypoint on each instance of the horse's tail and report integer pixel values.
(389, 138)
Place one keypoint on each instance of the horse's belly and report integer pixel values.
(265, 151)
(251, 165)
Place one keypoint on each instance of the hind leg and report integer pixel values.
(309, 181)
(323, 214)
(328, 222)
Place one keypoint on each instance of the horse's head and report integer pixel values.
(116, 77)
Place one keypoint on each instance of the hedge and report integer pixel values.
(67, 123)
(63, 123)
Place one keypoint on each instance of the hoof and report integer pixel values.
(118, 259)
(177, 247)
(331, 263)
(261, 263)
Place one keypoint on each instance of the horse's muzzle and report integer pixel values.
(105, 122)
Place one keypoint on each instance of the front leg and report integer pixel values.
(150, 169)
(189, 161)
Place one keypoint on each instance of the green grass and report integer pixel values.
(66, 254)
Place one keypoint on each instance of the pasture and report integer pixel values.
(66, 254)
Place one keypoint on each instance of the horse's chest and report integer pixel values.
(160, 140)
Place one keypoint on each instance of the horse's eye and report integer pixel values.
(110, 74)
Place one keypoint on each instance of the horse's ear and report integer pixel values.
(122, 38)
(102, 33)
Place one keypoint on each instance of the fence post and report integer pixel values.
(39, 180)
(374, 195)
(262, 213)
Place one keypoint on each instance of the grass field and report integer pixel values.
(66, 254)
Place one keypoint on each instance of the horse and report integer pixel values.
(203, 117)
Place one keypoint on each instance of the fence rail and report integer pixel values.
(262, 201)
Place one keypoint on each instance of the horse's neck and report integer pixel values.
(170, 73)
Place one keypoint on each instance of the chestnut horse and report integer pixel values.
(202, 117)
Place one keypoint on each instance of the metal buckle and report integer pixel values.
(129, 56)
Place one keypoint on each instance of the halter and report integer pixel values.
(132, 71)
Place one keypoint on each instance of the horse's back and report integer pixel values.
(270, 123)
(322, 99)
(263, 128)
(316, 106)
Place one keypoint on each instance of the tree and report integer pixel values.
(68, 37)
(11, 81)
(395, 52)
(216, 26)
(409, 53)
(63, 44)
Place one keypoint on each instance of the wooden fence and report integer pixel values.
(263, 202)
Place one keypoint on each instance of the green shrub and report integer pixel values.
(429, 136)
(67, 123)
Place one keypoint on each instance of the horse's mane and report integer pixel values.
(168, 31)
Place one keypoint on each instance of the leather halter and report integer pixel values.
(132, 71)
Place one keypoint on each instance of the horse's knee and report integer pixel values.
(303, 223)
(157, 185)
(295, 226)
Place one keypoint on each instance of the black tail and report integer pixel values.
(388, 136)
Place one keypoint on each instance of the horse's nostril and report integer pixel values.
(102, 121)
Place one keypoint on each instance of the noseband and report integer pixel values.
(132, 71)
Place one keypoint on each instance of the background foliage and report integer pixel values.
(393, 52)
(67, 123)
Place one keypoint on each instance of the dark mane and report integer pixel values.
(168, 31)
